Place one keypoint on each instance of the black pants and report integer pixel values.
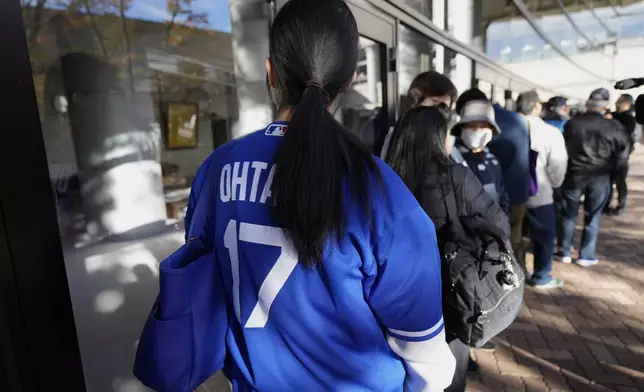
(461, 353)
(619, 179)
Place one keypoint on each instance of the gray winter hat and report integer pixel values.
(476, 111)
(600, 97)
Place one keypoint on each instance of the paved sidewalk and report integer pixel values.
(588, 336)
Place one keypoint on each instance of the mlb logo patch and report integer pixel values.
(276, 130)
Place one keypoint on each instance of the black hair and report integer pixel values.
(313, 55)
(527, 101)
(429, 84)
(418, 146)
(473, 94)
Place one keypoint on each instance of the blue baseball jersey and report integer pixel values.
(369, 318)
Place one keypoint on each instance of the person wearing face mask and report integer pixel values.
(512, 148)
(473, 132)
(430, 89)
(419, 156)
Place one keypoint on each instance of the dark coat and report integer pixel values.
(595, 145)
(473, 203)
(512, 148)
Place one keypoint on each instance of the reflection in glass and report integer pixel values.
(422, 6)
(105, 73)
(414, 56)
(450, 63)
(362, 108)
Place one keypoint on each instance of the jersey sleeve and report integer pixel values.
(407, 298)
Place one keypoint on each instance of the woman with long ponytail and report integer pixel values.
(329, 267)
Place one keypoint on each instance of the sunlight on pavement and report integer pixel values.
(589, 335)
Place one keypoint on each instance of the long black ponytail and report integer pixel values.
(313, 55)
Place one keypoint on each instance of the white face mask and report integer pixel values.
(476, 139)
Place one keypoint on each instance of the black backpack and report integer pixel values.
(482, 282)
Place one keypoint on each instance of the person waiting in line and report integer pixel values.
(419, 156)
(473, 133)
(557, 112)
(430, 89)
(349, 257)
(626, 116)
(596, 147)
(512, 149)
(552, 162)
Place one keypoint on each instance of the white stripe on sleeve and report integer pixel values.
(429, 364)
(418, 334)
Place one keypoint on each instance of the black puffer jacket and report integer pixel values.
(471, 201)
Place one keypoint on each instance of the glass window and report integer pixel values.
(450, 63)
(133, 96)
(415, 55)
(462, 73)
(422, 6)
(362, 109)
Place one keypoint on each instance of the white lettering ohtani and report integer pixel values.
(241, 181)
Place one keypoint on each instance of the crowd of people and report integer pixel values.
(574, 159)
(537, 163)
(309, 264)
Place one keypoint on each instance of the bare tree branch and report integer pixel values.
(123, 6)
(182, 8)
(97, 30)
(35, 23)
(174, 7)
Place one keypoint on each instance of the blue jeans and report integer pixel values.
(595, 190)
(543, 227)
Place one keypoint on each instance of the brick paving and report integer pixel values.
(589, 335)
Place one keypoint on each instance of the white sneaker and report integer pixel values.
(565, 259)
(586, 263)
